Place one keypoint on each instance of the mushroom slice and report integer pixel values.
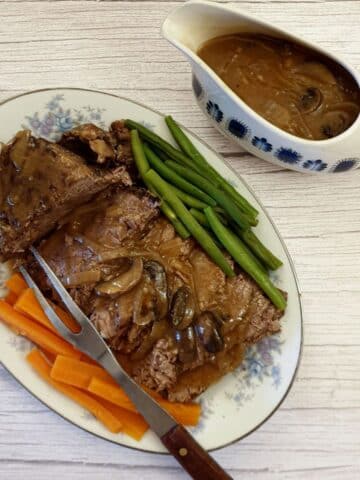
(182, 309)
(310, 100)
(123, 282)
(144, 305)
(157, 275)
(186, 343)
(207, 332)
(158, 331)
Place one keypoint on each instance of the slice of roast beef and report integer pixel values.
(98, 236)
(99, 146)
(40, 182)
(209, 320)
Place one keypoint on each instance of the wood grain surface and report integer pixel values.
(115, 46)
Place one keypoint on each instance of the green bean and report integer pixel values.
(240, 255)
(189, 200)
(162, 155)
(160, 143)
(171, 216)
(201, 218)
(139, 154)
(176, 179)
(143, 166)
(189, 221)
(258, 248)
(205, 168)
(218, 195)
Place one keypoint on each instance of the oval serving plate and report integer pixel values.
(242, 400)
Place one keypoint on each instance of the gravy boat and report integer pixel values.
(195, 22)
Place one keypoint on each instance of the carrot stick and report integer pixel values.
(35, 332)
(16, 284)
(83, 376)
(111, 393)
(85, 358)
(133, 424)
(67, 319)
(50, 357)
(10, 298)
(39, 363)
(77, 373)
(187, 414)
(28, 304)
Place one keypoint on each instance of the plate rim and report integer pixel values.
(291, 263)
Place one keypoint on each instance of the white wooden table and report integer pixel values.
(115, 46)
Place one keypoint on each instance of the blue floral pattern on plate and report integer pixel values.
(315, 165)
(287, 155)
(238, 128)
(260, 363)
(345, 165)
(214, 111)
(262, 144)
(56, 120)
(20, 344)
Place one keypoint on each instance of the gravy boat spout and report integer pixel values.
(188, 27)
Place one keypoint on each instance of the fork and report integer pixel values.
(178, 441)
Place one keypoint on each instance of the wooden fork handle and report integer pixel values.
(193, 458)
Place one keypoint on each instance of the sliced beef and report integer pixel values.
(159, 370)
(193, 382)
(219, 317)
(209, 280)
(98, 236)
(41, 182)
(99, 146)
(264, 319)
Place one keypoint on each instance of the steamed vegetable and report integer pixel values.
(76, 372)
(143, 166)
(139, 154)
(239, 217)
(160, 143)
(177, 180)
(185, 413)
(241, 256)
(165, 192)
(259, 249)
(200, 166)
(36, 333)
(205, 168)
(84, 381)
(28, 304)
(16, 284)
(188, 199)
(10, 298)
(96, 380)
(43, 368)
(201, 218)
(133, 424)
(171, 216)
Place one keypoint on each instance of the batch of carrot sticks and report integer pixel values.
(73, 373)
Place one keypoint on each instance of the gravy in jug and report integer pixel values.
(293, 87)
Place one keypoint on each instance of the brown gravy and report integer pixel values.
(293, 87)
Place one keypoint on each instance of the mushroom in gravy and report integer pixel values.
(293, 87)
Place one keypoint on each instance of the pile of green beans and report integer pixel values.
(200, 203)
